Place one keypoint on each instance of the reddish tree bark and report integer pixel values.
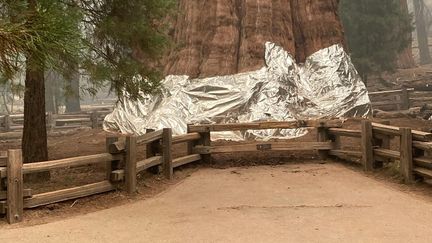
(222, 37)
(34, 142)
(316, 26)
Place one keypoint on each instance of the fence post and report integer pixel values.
(50, 121)
(366, 145)
(405, 98)
(399, 102)
(189, 144)
(322, 136)
(110, 165)
(166, 153)
(205, 140)
(7, 123)
(94, 119)
(337, 143)
(151, 150)
(131, 163)
(15, 198)
(406, 154)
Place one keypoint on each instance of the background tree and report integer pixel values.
(422, 34)
(126, 41)
(376, 32)
(112, 40)
(53, 36)
(406, 58)
(72, 92)
(9, 90)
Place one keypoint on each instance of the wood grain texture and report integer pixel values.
(387, 153)
(427, 173)
(68, 194)
(394, 131)
(167, 153)
(422, 145)
(344, 132)
(186, 160)
(322, 136)
(110, 165)
(69, 162)
(3, 161)
(366, 145)
(406, 155)
(205, 141)
(424, 162)
(349, 153)
(26, 194)
(389, 92)
(150, 137)
(153, 149)
(3, 172)
(15, 191)
(186, 138)
(265, 125)
(275, 146)
(131, 164)
(148, 163)
(116, 147)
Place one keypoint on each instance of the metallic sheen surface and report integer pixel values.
(326, 85)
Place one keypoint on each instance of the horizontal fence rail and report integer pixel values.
(94, 119)
(269, 146)
(264, 125)
(68, 194)
(401, 99)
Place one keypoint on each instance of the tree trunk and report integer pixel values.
(422, 36)
(222, 37)
(316, 25)
(72, 93)
(34, 141)
(406, 59)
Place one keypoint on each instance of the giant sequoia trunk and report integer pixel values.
(227, 36)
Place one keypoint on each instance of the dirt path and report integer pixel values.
(289, 203)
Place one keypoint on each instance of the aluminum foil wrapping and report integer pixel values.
(326, 85)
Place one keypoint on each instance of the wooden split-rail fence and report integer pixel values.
(93, 119)
(123, 166)
(400, 99)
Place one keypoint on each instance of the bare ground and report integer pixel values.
(286, 203)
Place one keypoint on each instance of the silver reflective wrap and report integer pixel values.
(326, 85)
